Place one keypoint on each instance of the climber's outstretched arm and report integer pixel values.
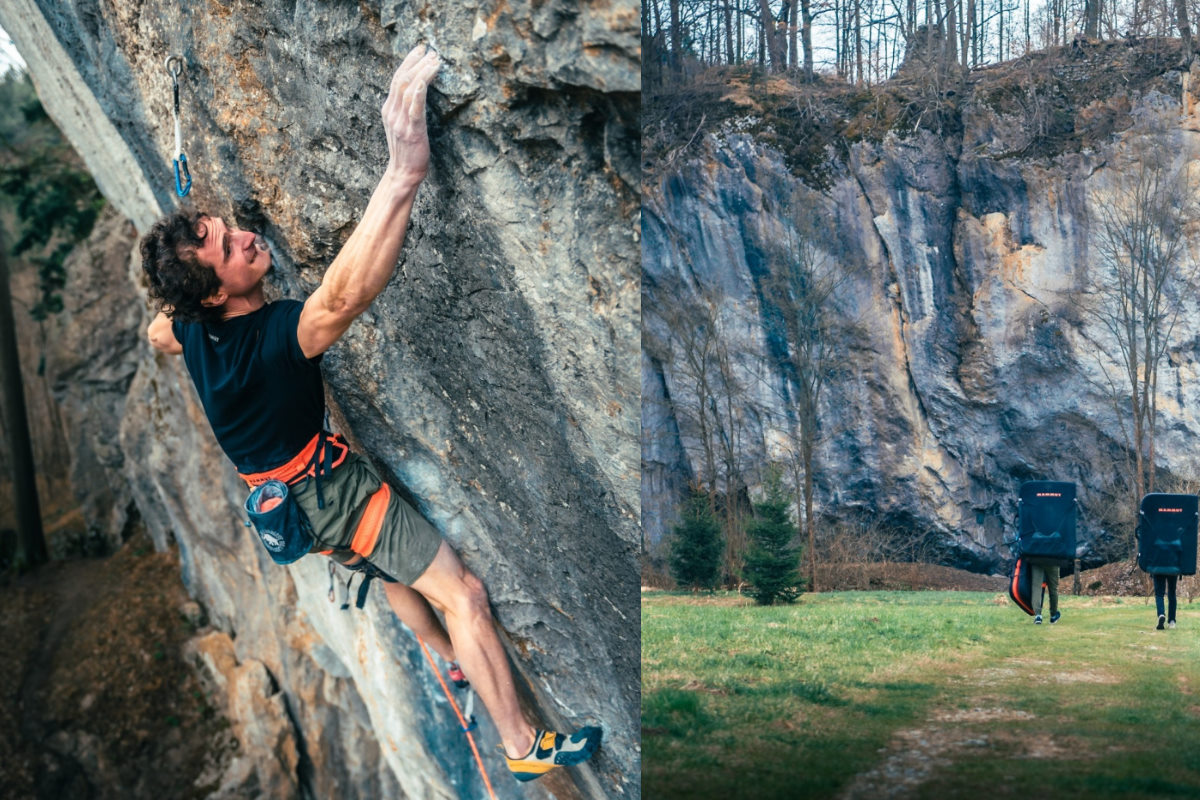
(162, 337)
(368, 259)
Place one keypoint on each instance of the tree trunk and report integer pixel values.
(762, 44)
(31, 541)
(964, 38)
(1028, 41)
(806, 37)
(730, 55)
(810, 528)
(741, 35)
(793, 30)
(951, 40)
(1185, 30)
(1091, 22)
(676, 35)
(772, 36)
(973, 33)
(858, 50)
(1000, 35)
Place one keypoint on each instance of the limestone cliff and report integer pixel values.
(494, 381)
(968, 362)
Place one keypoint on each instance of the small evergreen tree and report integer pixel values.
(773, 564)
(697, 547)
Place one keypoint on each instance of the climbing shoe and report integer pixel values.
(456, 675)
(1037, 620)
(1054, 617)
(1162, 619)
(551, 749)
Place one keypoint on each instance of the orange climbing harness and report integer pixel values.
(306, 463)
(466, 727)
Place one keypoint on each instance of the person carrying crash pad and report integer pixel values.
(256, 368)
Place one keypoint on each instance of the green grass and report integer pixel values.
(921, 694)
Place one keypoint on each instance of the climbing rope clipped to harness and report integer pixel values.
(183, 177)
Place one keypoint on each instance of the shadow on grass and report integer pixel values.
(696, 769)
(675, 712)
(1103, 786)
(902, 700)
(678, 712)
(816, 693)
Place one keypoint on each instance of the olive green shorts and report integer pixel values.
(407, 543)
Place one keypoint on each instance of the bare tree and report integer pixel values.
(676, 36)
(806, 23)
(1145, 269)
(1185, 30)
(804, 283)
(1092, 10)
(774, 37)
(708, 403)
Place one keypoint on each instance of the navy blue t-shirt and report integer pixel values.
(264, 399)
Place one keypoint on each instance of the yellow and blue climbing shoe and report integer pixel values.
(551, 749)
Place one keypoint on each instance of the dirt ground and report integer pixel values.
(98, 701)
(899, 577)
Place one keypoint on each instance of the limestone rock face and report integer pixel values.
(494, 381)
(968, 360)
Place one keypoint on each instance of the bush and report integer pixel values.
(773, 564)
(697, 547)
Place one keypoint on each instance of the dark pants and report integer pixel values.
(1165, 583)
(1049, 574)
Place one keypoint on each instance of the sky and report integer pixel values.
(9, 57)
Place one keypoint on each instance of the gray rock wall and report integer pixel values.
(495, 380)
(967, 361)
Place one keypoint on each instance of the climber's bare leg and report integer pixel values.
(414, 610)
(457, 593)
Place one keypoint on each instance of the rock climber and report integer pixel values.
(256, 368)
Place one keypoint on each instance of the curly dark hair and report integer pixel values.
(177, 279)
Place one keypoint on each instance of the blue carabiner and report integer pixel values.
(182, 188)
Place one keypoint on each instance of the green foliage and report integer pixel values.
(42, 181)
(697, 547)
(773, 564)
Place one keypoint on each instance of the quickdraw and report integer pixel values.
(183, 178)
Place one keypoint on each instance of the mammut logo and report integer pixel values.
(272, 540)
(1049, 494)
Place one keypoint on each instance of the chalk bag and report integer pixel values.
(281, 524)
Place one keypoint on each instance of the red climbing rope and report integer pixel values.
(462, 722)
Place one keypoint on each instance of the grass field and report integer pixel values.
(917, 695)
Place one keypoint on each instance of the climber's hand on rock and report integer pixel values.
(404, 115)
